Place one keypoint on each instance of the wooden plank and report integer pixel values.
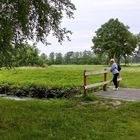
(96, 85)
(85, 82)
(105, 79)
(95, 72)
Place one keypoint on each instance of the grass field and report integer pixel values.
(65, 75)
(77, 118)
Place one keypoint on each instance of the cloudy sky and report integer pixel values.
(89, 16)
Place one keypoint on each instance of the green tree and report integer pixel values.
(68, 57)
(51, 58)
(22, 20)
(59, 58)
(114, 40)
(136, 55)
(76, 58)
(27, 55)
(44, 58)
(87, 57)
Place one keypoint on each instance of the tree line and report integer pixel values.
(112, 40)
(87, 58)
(79, 58)
(29, 55)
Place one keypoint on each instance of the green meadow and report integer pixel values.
(76, 118)
(61, 75)
(66, 75)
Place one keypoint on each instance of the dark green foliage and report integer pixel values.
(37, 91)
(22, 20)
(136, 56)
(114, 40)
(80, 58)
(27, 55)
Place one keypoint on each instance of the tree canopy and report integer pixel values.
(114, 39)
(22, 20)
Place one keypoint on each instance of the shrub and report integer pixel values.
(38, 91)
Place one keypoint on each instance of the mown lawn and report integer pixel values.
(66, 75)
(75, 119)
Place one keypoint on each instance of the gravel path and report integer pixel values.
(123, 93)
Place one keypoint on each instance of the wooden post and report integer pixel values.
(105, 79)
(85, 82)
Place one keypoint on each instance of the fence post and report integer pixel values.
(85, 82)
(105, 79)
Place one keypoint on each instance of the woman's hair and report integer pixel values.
(112, 60)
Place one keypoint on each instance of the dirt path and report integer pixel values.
(123, 93)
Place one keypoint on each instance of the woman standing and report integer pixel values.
(115, 72)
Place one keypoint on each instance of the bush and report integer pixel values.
(37, 91)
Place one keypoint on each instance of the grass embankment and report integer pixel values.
(57, 81)
(74, 119)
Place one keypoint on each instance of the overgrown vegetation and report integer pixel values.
(38, 91)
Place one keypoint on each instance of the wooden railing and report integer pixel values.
(104, 83)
